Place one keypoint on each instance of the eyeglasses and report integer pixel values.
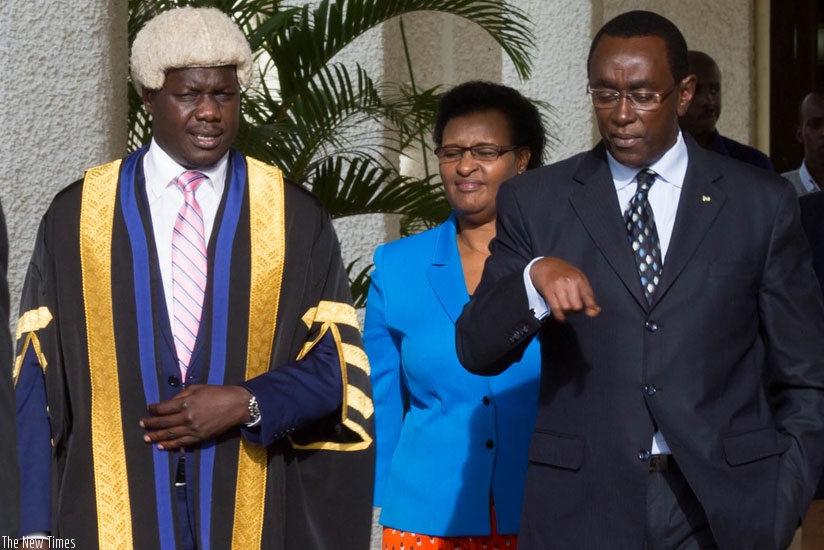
(453, 153)
(639, 100)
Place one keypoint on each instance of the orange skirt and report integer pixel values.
(395, 539)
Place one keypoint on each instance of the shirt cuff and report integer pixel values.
(537, 304)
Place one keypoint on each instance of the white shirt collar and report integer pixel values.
(160, 170)
(806, 178)
(671, 167)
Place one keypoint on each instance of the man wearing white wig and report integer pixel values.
(189, 371)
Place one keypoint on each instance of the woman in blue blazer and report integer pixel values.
(451, 446)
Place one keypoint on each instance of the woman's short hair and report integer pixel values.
(526, 126)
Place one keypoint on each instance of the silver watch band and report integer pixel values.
(254, 413)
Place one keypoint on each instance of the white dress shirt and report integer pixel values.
(166, 199)
(806, 179)
(663, 197)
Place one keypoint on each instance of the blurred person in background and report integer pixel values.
(705, 110)
(809, 177)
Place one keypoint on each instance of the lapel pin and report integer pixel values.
(706, 198)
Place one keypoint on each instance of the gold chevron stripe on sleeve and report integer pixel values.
(365, 439)
(356, 357)
(32, 320)
(359, 401)
(335, 312)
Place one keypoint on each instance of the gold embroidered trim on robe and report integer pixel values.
(114, 523)
(352, 397)
(268, 252)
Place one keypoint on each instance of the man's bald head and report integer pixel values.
(705, 109)
(810, 131)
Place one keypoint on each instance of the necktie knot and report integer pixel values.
(646, 178)
(188, 181)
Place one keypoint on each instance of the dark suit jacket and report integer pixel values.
(812, 219)
(739, 151)
(9, 480)
(728, 361)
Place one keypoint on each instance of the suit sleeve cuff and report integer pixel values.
(296, 394)
(537, 304)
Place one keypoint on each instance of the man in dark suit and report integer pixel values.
(812, 220)
(682, 391)
(809, 177)
(705, 109)
(9, 479)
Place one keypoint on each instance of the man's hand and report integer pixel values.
(198, 412)
(564, 287)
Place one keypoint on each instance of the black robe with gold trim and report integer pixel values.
(90, 322)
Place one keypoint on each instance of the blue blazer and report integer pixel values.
(446, 439)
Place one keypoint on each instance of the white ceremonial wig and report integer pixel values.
(186, 38)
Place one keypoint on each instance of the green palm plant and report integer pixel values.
(315, 125)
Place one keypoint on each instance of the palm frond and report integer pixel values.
(359, 283)
(362, 186)
(301, 50)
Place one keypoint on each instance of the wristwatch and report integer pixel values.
(254, 412)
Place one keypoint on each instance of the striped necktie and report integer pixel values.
(188, 269)
(643, 235)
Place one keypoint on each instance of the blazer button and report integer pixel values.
(485, 400)
(651, 326)
(650, 389)
(174, 381)
(490, 444)
(643, 455)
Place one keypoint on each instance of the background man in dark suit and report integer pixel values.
(812, 220)
(705, 109)
(809, 177)
(682, 392)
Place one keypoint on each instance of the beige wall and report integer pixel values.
(63, 66)
(725, 31)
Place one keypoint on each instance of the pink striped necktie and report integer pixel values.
(188, 269)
